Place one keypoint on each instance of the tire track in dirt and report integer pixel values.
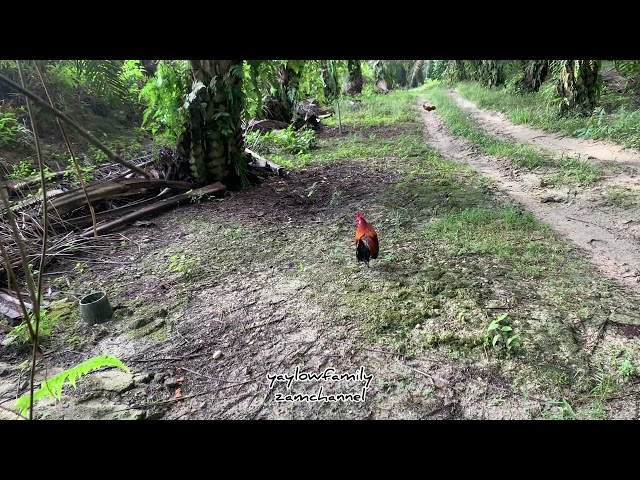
(599, 234)
(593, 151)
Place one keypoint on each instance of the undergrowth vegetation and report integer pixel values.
(464, 274)
(616, 118)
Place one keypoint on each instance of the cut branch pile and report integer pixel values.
(306, 113)
(117, 201)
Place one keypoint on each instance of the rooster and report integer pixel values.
(366, 240)
(428, 107)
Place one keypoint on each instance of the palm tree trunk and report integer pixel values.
(535, 73)
(455, 71)
(401, 75)
(460, 71)
(288, 82)
(281, 105)
(491, 73)
(354, 83)
(329, 81)
(213, 141)
(579, 86)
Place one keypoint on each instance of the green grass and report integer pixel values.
(573, 171)
(568, 171)
(356, 145)
(617, 117)
(393, 132)
(534, 109)
(620, 197)
(604, 384)
(460, 124)
(394, 108)
(525, 248)
(406, 142)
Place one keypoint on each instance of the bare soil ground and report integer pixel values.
(219, 304)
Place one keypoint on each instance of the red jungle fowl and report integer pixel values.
(366, 240)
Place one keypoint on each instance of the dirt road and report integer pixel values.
(609, 236)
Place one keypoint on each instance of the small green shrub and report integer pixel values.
(499, 334)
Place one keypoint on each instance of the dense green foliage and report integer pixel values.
(120, 92)
(164, 94)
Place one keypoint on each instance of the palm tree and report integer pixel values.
(330, 83)
(213, 142)
(534, 74)
(280, 104)
(354, 83)
(491, 72)
(579, 85)
(456, 71)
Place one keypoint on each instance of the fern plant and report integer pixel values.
(13, 133)
(52, 387)
(102, 78)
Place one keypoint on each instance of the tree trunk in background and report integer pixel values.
(387, 74)
(149, 67)
(254, 74)
(455, 71)
(281, 105)
(535, 73)
(213, 141)
(401, 75)
(417, 69)
(329, 82)
(490, 72)
(579, 86)
(353, 85)
(459, 70)
(289, 82)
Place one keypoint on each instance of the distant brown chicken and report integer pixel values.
(428, 107)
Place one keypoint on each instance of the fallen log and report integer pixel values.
(13, 300)
(114, 212)
(141, 165)
(35, 199)
(74, 199)
(262, 162)
(266, 125)
(164, 204)
(17, 186)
